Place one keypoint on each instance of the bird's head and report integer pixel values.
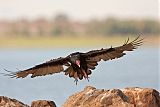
(78, 63)
(75, 58)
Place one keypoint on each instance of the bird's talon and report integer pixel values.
(76, 80)
(88, 79)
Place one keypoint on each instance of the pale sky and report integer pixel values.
(79, 9)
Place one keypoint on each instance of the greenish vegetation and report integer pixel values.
(62, 25)
(64, 32)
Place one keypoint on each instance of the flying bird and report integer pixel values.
(79, 65)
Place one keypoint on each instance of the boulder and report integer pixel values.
(142, 97)
(8, 102)
(43, 103)
(92, 97)
(128, 97)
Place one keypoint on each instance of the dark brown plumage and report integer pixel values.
(79, 64)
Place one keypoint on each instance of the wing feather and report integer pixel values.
(112, 53)
(49, 67)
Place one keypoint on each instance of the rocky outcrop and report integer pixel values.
(43, 103)
(142, 97)
(92, 97)
(8, 102)
(128, 97)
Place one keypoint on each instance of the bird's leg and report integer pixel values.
(85, 75)
(76, 77)
(88, 79)
(76, 80)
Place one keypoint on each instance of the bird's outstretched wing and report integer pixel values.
(49, 67)
(94, 56)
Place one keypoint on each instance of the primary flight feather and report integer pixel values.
(79, 65)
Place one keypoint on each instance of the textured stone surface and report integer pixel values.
(142, 97)
(92, 97)
(128, 97)
(43, 103)
(8, 102)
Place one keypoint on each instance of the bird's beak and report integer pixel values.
(78, 63)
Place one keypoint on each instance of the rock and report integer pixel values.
(142, 97)
(8, 102)
(43, 103)
(92, 97)
(128, 97)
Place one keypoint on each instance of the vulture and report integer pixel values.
(79, 65)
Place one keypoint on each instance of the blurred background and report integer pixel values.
(34, 31)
